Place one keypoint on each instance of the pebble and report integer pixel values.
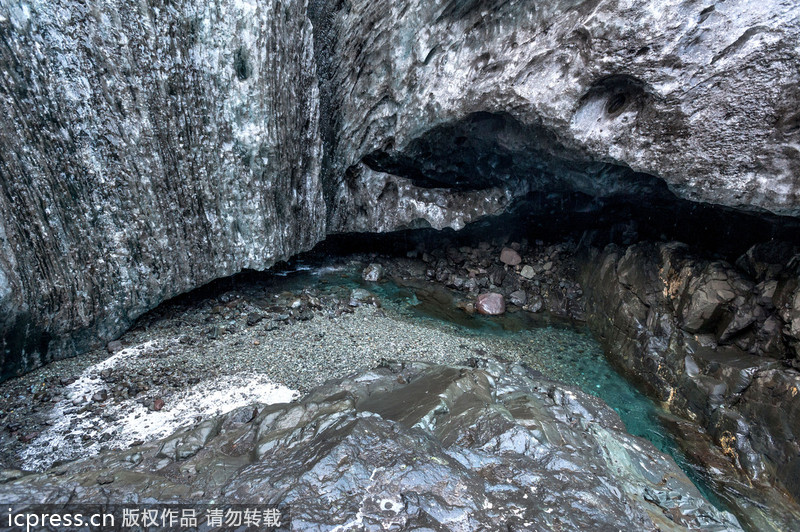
(518, 297)
(527, 272)
(304, 315)
(535, 304)
(105, 478)
(114, 346)
(373, 273)
(359, 295)
(510, 257)
(27, 438)
(100, 396)
(254, 318)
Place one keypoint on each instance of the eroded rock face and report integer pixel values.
(411, 445)
(146, 151)
(381, 202)
(711, 343)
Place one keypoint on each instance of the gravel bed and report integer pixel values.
(295, 335)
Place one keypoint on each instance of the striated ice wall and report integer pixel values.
(147, 148)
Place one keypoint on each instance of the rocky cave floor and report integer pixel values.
(299, 336)
(266, 338)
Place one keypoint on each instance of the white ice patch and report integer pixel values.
(134, 422)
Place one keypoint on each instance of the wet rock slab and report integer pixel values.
(411, 445)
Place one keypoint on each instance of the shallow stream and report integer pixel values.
(555, 348)
(268, 362)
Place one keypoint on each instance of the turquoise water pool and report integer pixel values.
(559, 350)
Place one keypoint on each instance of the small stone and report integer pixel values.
(510, 257)
(114, 347)
(29, 437)
(100, 396)
(105, 478)
(527, 272)
(304, 314)
(491, 304)
(254, 318)
(158, 404)
(358, 295)
(518, 297)
(373, 273)
(535, 304)
(467, 307)
(7, 475)
(548, 266)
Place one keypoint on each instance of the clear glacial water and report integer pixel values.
(559, 350)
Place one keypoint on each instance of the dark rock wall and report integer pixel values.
(713, 342)
(147, 148)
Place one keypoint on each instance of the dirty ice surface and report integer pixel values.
(130, 421)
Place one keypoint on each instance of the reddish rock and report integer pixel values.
(27, 438)
(158, 404)
(510, 257)
(491, 304)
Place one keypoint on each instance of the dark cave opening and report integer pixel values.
(713, 231)
(484, 150)
(560, 192)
